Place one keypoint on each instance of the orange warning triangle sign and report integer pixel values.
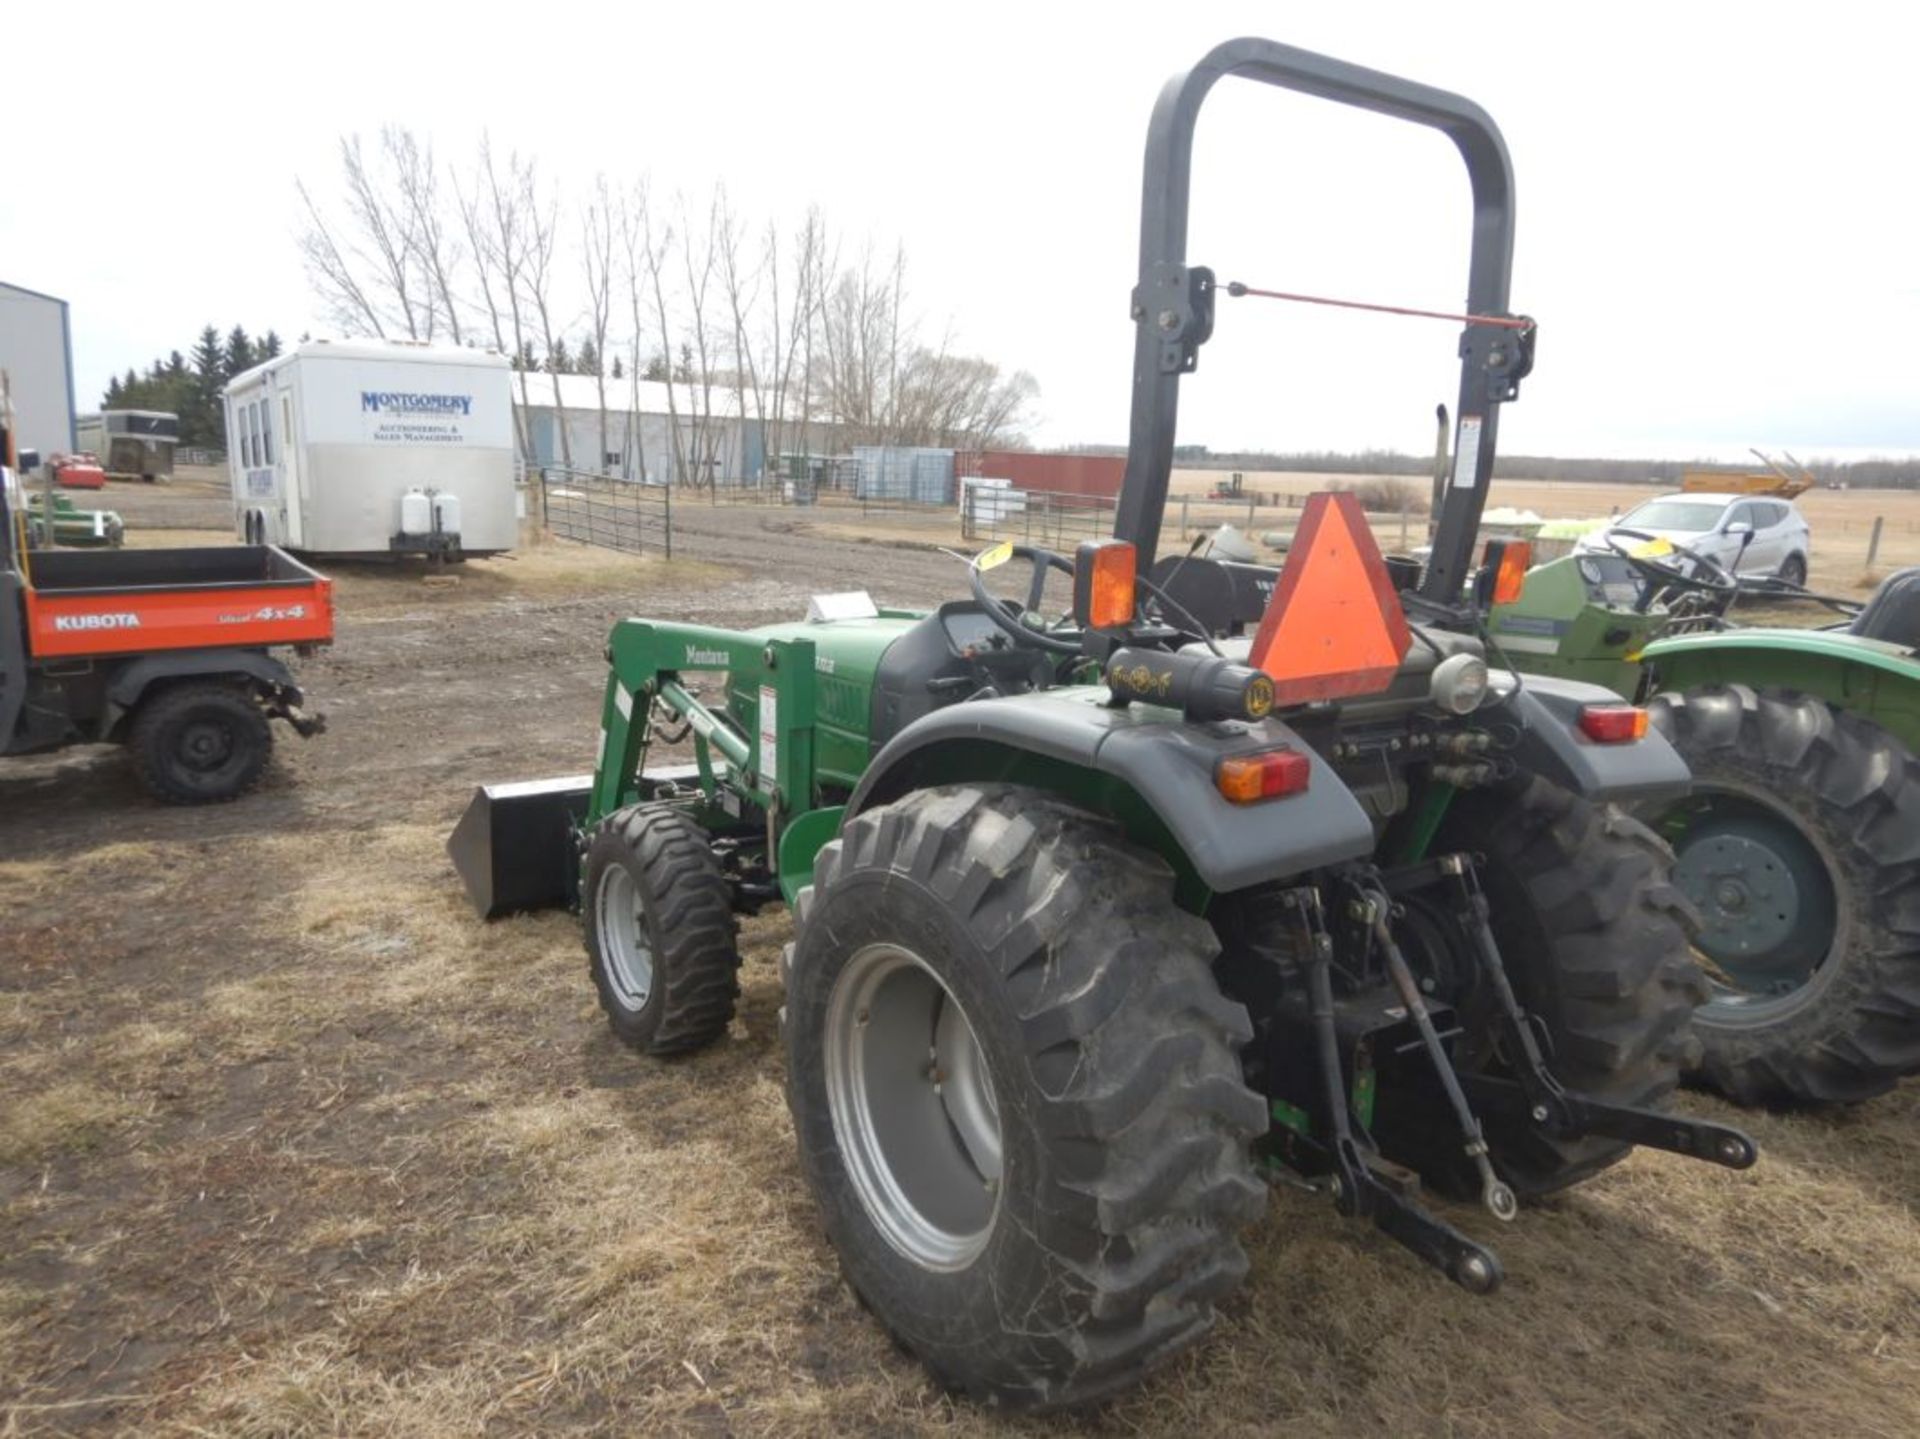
(1334, 626)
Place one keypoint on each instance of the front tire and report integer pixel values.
(662, 944)
(1017, 1094)
(1800, 844)
(200, 743)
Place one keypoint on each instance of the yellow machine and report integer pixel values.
(1775, 482)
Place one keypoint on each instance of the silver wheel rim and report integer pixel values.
(623, 936)
(913, 1107)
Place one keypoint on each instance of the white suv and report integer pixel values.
(1749, 534)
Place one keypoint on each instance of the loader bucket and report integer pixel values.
(514, 847)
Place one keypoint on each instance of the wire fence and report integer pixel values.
(1047, 517)
(601, 510)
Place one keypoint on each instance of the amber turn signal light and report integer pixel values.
(1103, 583)
(1245, 778)
(1613, 724)
(1509, 560)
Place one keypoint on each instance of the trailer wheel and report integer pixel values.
(200, 743)
(1595, 942)
(1800, 844)
(1017, 1093)
(660, 933)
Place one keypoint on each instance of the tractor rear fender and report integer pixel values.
(1143, 767)
(135, 677)
(1875, 680)
(1547, 714)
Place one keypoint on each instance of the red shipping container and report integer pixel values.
(1099, 475)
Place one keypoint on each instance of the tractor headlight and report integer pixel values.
(1460, 683)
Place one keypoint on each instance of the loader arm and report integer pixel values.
(647, 661)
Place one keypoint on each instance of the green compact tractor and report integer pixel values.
(1800, 842)
(1102, 921)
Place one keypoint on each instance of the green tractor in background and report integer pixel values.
(1800, 842)
(1101, 920)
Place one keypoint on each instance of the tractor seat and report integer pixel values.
(1893, 614)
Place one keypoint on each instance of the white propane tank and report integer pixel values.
(446, 509)
(416, 513)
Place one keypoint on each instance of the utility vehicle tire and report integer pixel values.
(1595, 942)
(1017, 1093)
(662, 944)
(200, 743)
(1800, 845)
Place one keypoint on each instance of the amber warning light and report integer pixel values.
(1334, 626)
(1103, 581)
(1509, 560)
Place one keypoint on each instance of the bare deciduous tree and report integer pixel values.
(542, 217)
(492, 219)
(653, 251)
(797, 339)
(436, 245)
(596, 246)
(364, 263)
(742, 288)
(698, 258)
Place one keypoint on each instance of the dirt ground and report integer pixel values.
(290, 1143)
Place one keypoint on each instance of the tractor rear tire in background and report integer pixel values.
(200, 742)
(1595, 942)
(662, 944)
(1017, 1093)
(1800, 846)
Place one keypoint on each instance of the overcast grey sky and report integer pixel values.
(1719, 226)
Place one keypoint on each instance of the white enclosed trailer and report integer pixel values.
(368, 447)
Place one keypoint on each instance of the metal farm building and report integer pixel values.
(716, 441)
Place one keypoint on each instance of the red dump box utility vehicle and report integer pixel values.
(166, 651)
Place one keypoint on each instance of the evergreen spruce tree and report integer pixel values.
(240, 354)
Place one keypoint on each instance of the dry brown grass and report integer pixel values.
(67, 1116)
(460, 1207)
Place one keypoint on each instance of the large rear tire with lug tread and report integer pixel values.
(662, 943)
(1800, 844)
(1595, 941)
(200, 742)
(1017, 1093)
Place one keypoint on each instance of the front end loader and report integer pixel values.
(1101, 921)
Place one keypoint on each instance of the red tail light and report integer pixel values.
(1613, 724)
(1245, 778)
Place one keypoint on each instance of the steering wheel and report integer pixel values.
(1011, 617)
(1663, 571)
